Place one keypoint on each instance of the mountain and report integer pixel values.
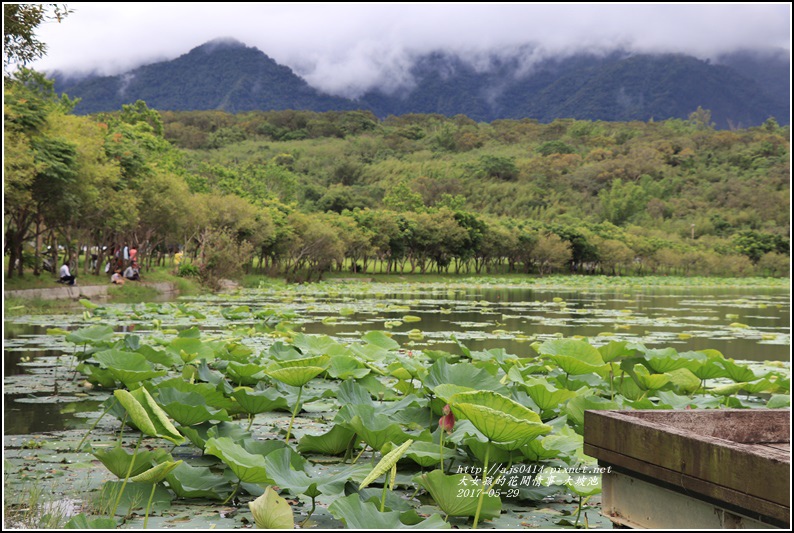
(221, 74)
(741, 89)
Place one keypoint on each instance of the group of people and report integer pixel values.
(131, 273)
(122, 256)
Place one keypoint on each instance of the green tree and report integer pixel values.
(20, 43)
(622, 201)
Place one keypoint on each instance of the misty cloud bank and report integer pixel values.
(347, 50)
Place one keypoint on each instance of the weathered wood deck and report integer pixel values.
(709, 468)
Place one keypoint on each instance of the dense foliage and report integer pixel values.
(740, 89)
(301, 193)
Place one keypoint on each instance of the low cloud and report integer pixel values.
(348, 49)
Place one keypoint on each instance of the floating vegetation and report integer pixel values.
(322, 406)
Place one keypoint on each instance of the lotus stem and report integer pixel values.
(127, 477)
(149, 506)
(311, 512)
(294, 412)
(482, 491)
(250, 421)
(236, 488)
(96, 422)
(578, 512)
(360, 453)
(441, 449)
(383, 496)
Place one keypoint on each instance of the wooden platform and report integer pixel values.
(693, 469)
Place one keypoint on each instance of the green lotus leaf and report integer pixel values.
(447, 493)
(351, 393)
(190, 348)
(97, 375)
(136, 412)
(427, 454)
(296, 377)
(238, 313)
(365, 515)
(573, 356)
(197, 482)
(386, 463)
(245, 374)
(159, 357)
(577, 406)
(284, 475)
(447, 391)
(81, 522)
(684, 381)
(551, 447)
(664, 360)
(617, 350)
(316, 360)
(738, 372)
(212, 394)
(135, 496)
(334, 442)
(706, 364)
(157, 473)
(499, 418)
(345, 366)
(374, 428)
(188, 408)
(163, 427)
(248, 467)
(118, 460)
(94, 335)
(127, 367)
(260, 401)
(381, 340)
(271, 511)
(318, 345)
(585, 485)
(463, 374)
(779, 401)
(545, 395)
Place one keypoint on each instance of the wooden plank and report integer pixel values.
(722, 462)
(748, 426)
(771, 451)
(752, 506)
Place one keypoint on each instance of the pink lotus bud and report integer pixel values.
(447, 422)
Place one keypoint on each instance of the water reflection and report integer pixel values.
(31, 416)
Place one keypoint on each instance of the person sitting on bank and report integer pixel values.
(132, 272)
(66, 276)
(117, 278)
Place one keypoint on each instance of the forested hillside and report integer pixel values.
(299, 193)
(744, 90)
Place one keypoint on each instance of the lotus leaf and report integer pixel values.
(127, 367)
(381, 340)
(298, 372)
(738, 372)
(248, 467)
(188, 408)
(260, 401)
(447, 493)
(245, 374)
(94, 335)
(157, 473)
(197, 482)
(118, 460)
(271, 511)
(577, 406)
(135, 496)
(545, 395)
(82, 522)
(464, 374)
(365, 515)
(499, 418)
(334, 442)
(345, 366)
(167, 359)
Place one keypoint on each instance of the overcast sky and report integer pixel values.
(348, 48)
